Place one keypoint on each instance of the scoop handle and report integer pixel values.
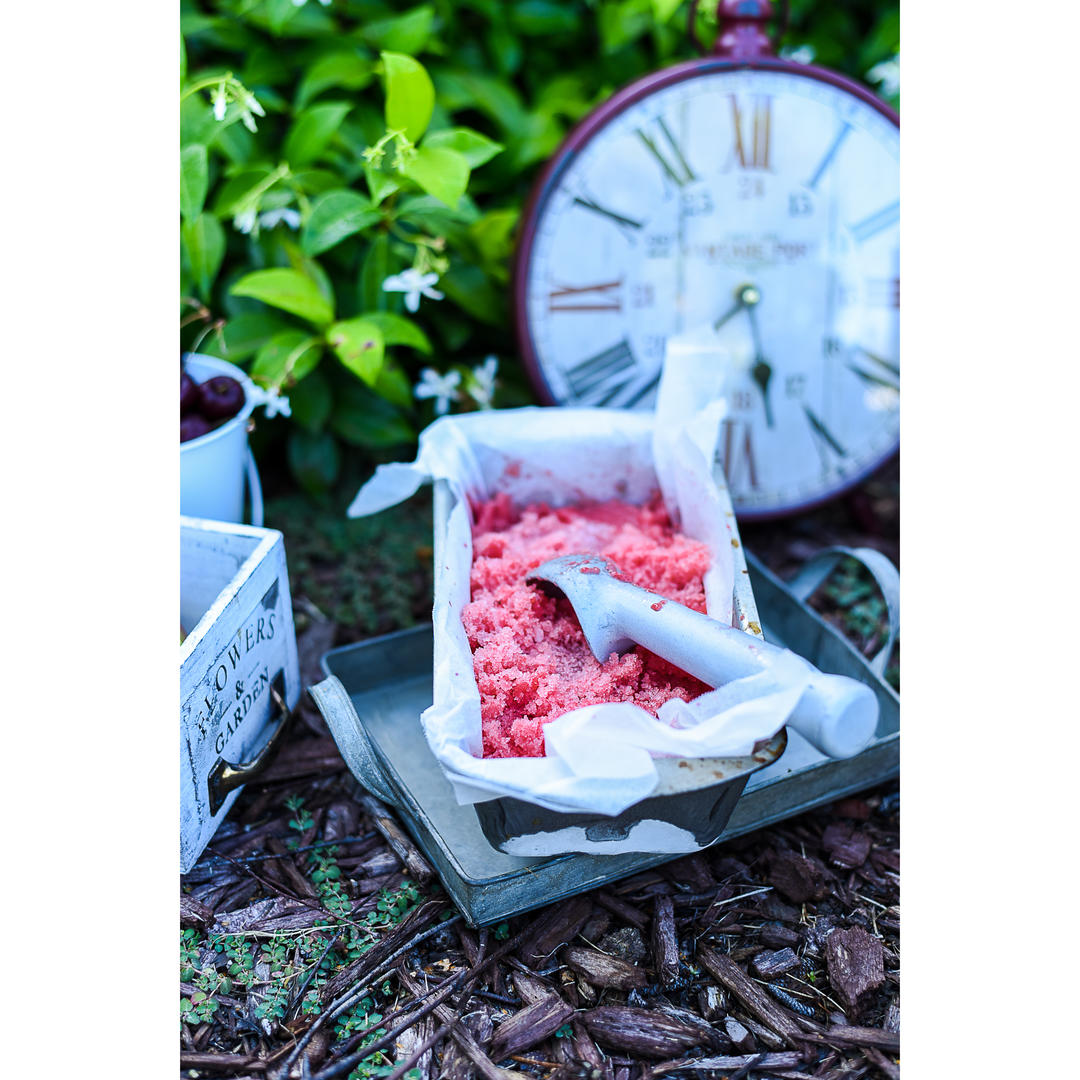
(836, 714)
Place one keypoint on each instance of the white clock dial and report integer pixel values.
(728, 180)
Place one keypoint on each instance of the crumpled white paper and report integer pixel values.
(599, 758)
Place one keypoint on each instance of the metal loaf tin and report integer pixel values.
(374, 692)
(694, 795)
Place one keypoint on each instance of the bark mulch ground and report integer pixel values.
(315, 941)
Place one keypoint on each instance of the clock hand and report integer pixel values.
(762, 370)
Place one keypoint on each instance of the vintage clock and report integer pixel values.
(748, 193)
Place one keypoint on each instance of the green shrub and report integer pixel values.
(352, 172)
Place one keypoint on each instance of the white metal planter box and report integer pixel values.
(239, 673)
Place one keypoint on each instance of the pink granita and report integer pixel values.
(529, 656)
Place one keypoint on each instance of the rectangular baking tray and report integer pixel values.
(375, 691)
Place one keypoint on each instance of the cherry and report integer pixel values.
(192, 426)
(221, 397)
(189, 393)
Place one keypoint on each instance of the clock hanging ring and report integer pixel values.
(747, 193)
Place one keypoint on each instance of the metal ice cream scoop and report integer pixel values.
(836, 714)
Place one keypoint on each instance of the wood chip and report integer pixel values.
(851, 1035)
(776, 936)
(784, 1060)
(846, 847)
(712, 1002)
(641, 1031)
(195, 914)
(531, 1025)
(740, 1037)
(418, 867)
(728, 974)
(603, 970)
(558, 925)
(889, 1068)
(621, 908)
(797, 877)
(769, 965)
(665, 947)
(856, 966)
(224, 1063)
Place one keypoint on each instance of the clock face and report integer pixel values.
(763, 202)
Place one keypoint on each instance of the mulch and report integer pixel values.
(772, 955)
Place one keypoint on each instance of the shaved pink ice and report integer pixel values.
(529, 655)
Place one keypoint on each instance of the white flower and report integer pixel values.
(249, 121)
(220, 102)
(801, 54)
(443, 388)
(271, 399)
(887, 74)
(245, 221)
(285, 216)
(414, 285)
(483, 379)
(251, 103)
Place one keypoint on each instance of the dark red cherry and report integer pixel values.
(192, 426)
(221, 397)
(189, 393)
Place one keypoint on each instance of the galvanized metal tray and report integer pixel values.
(375, 691)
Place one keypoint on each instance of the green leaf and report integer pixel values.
(405, 33)
(471, 289)
(542, 17)
(204, 244)
(664, 9)
(245, 334)
(398, 330)
(286, 358)
(344, 68)
(375, 270)
(289, 290)
(336, 215)
(314, 460)
(379, 183)
(362, 418)
(311, 402)
(194, 178)
(394, 385)
(410, 96)
(493, 236)
(311, 133)
(234, 192)
(359, 346)
(473, 147)
(442, 173)
(473, 90)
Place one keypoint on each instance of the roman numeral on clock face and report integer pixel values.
(876, 370)
(824, 439)
(626, 225)
(606, 378)
(876, 222)
(735, 452)
(752, 130)
(662, 145)
(599, 297)
(830, 155)
(883, 292)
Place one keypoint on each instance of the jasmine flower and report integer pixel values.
(443, 388)
(414, 285)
